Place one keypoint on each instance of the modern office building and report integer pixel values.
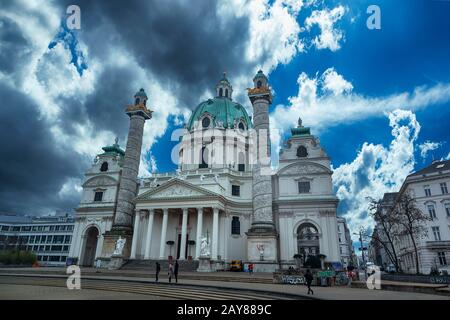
(49, 237)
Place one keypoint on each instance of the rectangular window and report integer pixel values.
(241, 167)
(49, 239)
(69, 228)
(447, 209)
(52, 228)
(98, 196)
(442, 260)
(235, 190)
(32, 239)
(427, 191)
(444, 188)
(5, 228)
(303, 187)
(436, 233)
(431, 211)
(235, 226)
(67, 239)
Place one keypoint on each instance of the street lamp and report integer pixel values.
(362, 248)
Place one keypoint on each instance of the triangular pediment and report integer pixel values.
(176, 188)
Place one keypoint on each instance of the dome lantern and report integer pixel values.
(224, 88)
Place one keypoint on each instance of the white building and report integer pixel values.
(265, 219)
(429, 187)
(346, 250)
(49, 237)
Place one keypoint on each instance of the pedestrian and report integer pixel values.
(175, 271)
(250, 268)
(309, 278)
(170, 273)
(158, 269)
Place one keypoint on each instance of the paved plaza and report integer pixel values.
(255, 286)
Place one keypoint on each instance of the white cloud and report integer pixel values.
(323, 104)
(325, 19)
(335, 83)
(428, 146)
(377, 169)
(274, 30)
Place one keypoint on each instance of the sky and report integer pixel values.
(378, 99)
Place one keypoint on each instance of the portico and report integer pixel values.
(179, 225)
(174, 212)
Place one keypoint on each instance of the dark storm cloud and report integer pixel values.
(33, 167)
(14, 47)
(183, 43)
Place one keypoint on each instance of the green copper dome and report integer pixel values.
(223, 112)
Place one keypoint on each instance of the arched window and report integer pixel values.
(302, 152)
(241, 126)
(203, 157)
(259, 84)
(226, 93)
(220, 92)
(104, 167)
(235, 226)
(206, 122)
(307, 240)
(136, 102)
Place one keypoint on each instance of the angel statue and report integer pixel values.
(204, 247)
(120, 244)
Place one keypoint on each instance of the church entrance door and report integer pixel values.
(90, 247)
(179, 246)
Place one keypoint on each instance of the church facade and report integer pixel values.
(224, 189)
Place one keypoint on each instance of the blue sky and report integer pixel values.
(377, 99)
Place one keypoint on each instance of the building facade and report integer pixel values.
(49, 237)
(345, 243)
(430, 189)
(222, 190)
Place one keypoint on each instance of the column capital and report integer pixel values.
(200, 209)
(165, 210)
(185, 210)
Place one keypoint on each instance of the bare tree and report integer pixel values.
(411, 221)
(386, 223)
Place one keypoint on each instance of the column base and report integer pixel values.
(262, 247)
(204, 264)
(116, 262)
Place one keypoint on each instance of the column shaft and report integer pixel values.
(199, 232)
(183, 234)
(135, 235)
(148, 239)
(163, 234)
(215, 235)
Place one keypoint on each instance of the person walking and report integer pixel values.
(158, 269)
(250, 268)
(309, 278)
(175, 271)
(170, 273)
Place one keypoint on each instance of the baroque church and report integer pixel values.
(224, 189)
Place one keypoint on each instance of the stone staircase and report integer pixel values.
(150, 265)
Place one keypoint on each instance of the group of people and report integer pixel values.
(172, 271)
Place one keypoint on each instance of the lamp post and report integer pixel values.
(360, 234)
